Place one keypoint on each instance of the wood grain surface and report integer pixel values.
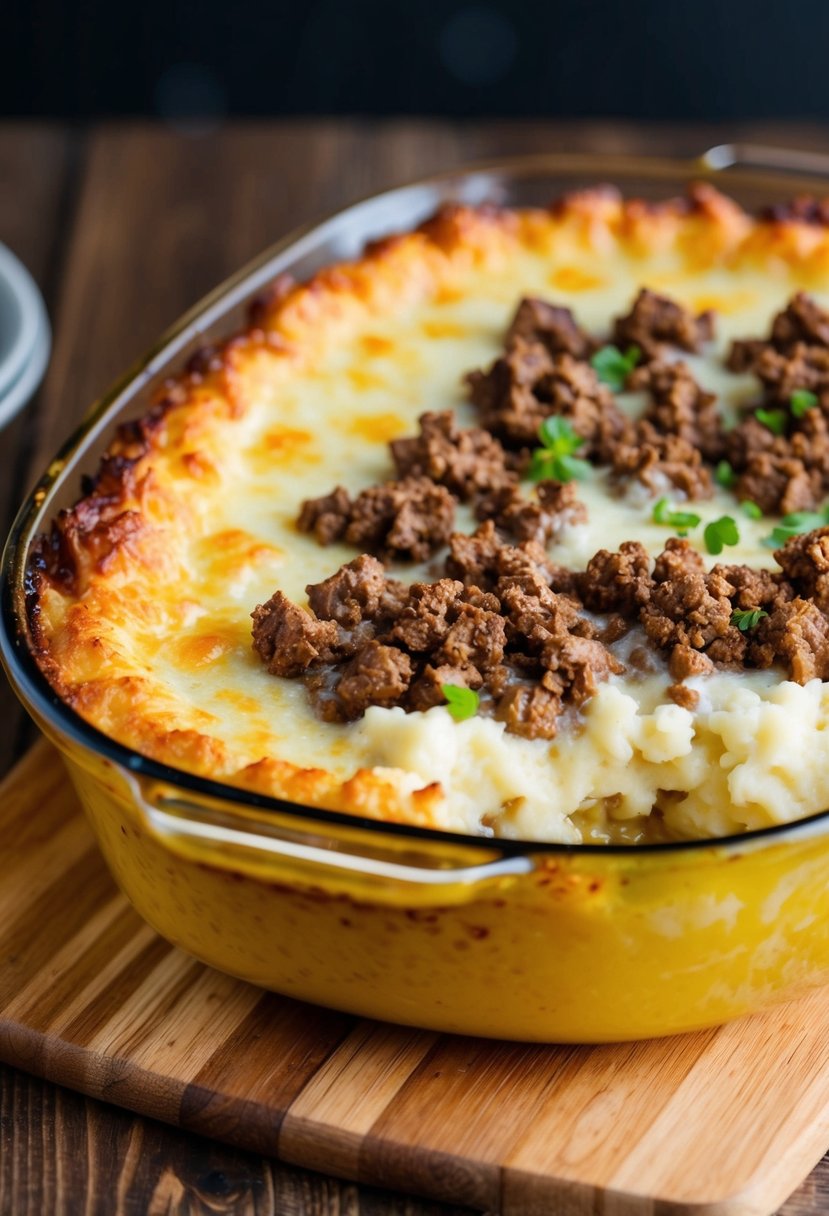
(726, 1122)
(124, 227)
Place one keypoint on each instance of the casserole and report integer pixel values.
(435, 928)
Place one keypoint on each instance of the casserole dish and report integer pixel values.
(463, 934)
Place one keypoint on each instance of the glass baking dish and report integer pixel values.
(463, 934)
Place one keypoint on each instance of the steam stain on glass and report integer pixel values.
(478, 45)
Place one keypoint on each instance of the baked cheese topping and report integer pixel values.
(144, 592)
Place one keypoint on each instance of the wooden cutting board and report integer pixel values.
(727, 1121)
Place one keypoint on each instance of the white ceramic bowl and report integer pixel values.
(25, 337)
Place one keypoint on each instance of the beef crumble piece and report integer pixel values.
(357, 592)
(679, 406)
(694, 610)
(656, 321)
(781, 473)
(553, 326)
(466, 462)
(796, 632)
(289, 640)
(751, 588)
(326, 517)
(617, 582)
(541, 519)
(481, 559)
(795, 354)
(407, 519)
(780, 485)
(377, 675)
(660, 462)
(527, 384)
(805, 563)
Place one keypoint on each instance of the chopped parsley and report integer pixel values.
(802, 400)
(795, 525)
(556, 459)
(724, 475)
(461, 702)
(721, 532)
(747, 618)
(751, 510)
(612, 367)
(775, 420)
(664, 513)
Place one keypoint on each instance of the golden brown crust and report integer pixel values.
(77, 570)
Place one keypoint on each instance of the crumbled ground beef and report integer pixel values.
(797, 634)
(678, 558)
(617, 582)
(779, 484)
(805, 563)
(795, 355)
(377, 675)
(686, 662)
(466, 462)
(680, 407)
(508, 623)
(388, 645)
(555, 506)
(662, 462)
(691, 609)
(527, 384)
(685, 697)
(406, 519)
(289, 640)
(553, 326)
(752, 588)
(655, 322)
(326, 517)
(358, 591)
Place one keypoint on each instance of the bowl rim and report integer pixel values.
(42, 701)
(25, 353)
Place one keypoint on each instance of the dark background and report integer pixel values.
(667, 59)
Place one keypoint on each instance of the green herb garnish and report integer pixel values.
(802, 400)
(721, 532)
(664, 513)
(556, 458)
(751, 510)
(747, 618)
(461, 702)
(795, 525)
(775, 420)
(612, 367)
(724, 475)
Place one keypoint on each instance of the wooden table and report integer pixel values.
(124, 227)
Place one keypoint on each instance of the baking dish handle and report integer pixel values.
(177, 821)
(759, 156)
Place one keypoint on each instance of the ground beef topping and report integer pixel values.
(466, 462)
(679, 406)
(553, 327)
(406, 519)
(662, 463)
(530, 637)
(656, 322)
(786, 468)
(521, 632)
(526, 648)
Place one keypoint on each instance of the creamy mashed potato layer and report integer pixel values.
(153, 642)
